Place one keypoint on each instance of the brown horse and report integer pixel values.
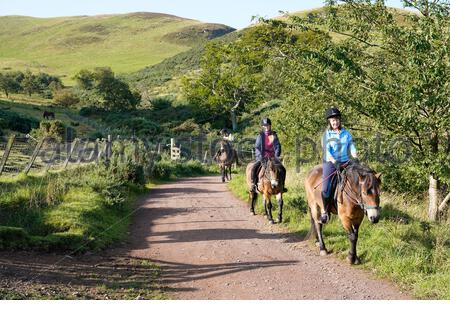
(48, 115)
(270, 182)
(357, 193)
(225, 157)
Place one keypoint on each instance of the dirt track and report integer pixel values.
(209, 247)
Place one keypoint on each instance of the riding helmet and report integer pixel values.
(266, 122)
(332, 112)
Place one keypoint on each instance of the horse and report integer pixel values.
(270, 182)
(225, 157)
(357, 193)
(48, 115)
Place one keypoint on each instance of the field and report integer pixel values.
(126, 42)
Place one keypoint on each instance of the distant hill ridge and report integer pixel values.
(125, 42)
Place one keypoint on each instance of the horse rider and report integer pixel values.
(226, 136)
(337, 143)
(267, 146)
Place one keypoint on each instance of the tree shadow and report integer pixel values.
(174, 272)
(31, 275)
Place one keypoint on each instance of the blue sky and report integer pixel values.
(235, 13)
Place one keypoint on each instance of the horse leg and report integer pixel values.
(280, 207)
(315, 216)
(313, 230)
(352, 257)
(253, 197)
(230, 172)
(222, 171)
(269, 206)
(323, 250)
(265, 205)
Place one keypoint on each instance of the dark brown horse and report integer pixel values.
(225, 157)
(48, 115)
(356, 195)
(270, 182)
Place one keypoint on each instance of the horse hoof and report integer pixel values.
(317, 244)
(271, 222)
(353, 260)
(323, 253)
(279, 221)
(324, 218)
(252, 212)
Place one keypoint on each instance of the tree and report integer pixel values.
(232, 76)
(392, 69)
(8, 83)
(84, 79)
(29, 83)
(101, 88)
(65, 98)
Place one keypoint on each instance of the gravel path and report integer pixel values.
(210, 247)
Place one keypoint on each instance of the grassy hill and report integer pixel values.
(125, 42)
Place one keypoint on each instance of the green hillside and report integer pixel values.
(125, 42)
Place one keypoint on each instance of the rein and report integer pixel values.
(267, 171)
(355, 197)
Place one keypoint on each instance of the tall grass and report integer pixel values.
(403, 246)
(85, 208)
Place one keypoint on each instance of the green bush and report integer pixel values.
(15, 122)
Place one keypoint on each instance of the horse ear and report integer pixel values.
(378, 175)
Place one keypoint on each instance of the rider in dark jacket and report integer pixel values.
(267, 145)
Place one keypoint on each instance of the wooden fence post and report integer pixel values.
(9, 145)
(34, 155)
(72, 149)
(108, 149)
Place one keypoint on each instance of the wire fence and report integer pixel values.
(27, 154)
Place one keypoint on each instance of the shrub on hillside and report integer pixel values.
(65, 98)
(54, 129)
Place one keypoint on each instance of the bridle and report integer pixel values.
(267, 170)
(357, 198)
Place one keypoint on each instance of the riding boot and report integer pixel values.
(255, 170)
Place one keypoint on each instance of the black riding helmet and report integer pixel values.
(266, 122)
(332, 112)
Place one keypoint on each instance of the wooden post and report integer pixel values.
(109, 147)
(50, 162)
(34, 155)
(9, 145)
(94, 151)
(72, 149)
(82, 152)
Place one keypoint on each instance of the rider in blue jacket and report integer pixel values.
(337, 144)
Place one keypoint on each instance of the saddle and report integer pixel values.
(338, 183)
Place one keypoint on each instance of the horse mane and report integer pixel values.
(355, 169)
